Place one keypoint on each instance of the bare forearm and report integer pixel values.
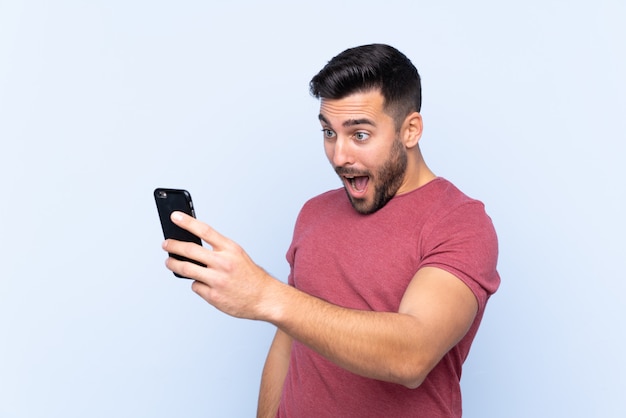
(379, 345)
(436, 311)
(274, 373)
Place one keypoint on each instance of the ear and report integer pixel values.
(412, 130)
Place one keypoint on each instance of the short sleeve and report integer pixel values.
(463, 242)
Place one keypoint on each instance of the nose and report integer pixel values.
(340, 153)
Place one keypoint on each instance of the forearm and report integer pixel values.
(380, 345)
(273, 378)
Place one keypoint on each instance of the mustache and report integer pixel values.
(351, 172)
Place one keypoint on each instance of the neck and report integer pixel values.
(417, 172)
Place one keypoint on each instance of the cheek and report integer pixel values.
(375, 158)
(329, 149)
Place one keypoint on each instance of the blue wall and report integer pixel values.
(102, 101)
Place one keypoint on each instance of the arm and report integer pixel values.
(273, 376)
(436, 311)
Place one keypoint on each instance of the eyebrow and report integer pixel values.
(349, 122)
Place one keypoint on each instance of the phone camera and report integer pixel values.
(162, 194)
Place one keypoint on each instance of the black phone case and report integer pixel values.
(168, 201)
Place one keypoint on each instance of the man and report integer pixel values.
(389, 275)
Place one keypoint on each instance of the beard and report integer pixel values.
(386, 180)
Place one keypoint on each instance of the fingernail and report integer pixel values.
(177, 216)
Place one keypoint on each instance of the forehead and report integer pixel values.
(363, 105)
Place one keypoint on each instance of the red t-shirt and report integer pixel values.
(366, 262)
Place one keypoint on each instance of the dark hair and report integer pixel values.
(372, 67)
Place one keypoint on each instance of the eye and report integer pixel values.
(361, 136)
(328, 133)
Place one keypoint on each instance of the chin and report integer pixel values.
(363, 206)
(366, 207)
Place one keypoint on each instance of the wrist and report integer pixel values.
(274, 301)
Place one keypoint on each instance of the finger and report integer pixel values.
(201, 289)
(189, 250)
(200, 229)
(186, 269)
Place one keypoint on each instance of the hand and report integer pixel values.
(231, 281)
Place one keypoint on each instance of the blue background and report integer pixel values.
(102, 101)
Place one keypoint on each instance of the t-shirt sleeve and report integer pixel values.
(463, 242)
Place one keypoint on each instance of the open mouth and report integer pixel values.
(358, 183)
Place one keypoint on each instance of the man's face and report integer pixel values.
(364, 148)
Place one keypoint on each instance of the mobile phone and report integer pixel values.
(171, 200)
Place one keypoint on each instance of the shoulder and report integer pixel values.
(326, 197)
(447, 192)
(460, 238)
(445, 199)
(452, 212)
(331, 200)
(435, 201)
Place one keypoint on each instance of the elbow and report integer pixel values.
(413, 382)
(412, 369)
(412, 376)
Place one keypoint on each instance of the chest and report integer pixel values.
(360, 263)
